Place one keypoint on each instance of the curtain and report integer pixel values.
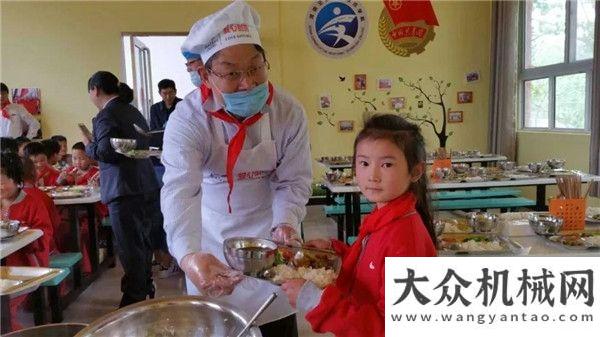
(503, 78)
(595, 117)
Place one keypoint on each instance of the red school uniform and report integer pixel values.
(33, 214)
(358, 296)
(55, 217)
(47, 177)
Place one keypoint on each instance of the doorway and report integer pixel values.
(149, 58)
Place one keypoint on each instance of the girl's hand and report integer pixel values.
(319, 243)
(292, 288)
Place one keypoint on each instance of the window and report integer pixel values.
(557, 43)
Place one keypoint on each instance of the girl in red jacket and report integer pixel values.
(389, 161)
(31, 212)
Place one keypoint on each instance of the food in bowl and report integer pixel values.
(9, 228)
(482, 221)
(321, 277)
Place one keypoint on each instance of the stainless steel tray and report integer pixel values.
(451, 244)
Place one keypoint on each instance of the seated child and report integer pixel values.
(52, 151)
(18, 205)
(46, 175)
(64, 159)
(31, 189)
(21, 143)
(82, 172)
(389, 156)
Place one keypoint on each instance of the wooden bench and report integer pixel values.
(503, 204)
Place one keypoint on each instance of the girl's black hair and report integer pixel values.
(125, 93)
(78, 146)
(407, 136)
(59, 138)
(52, 147)
(11, 166)
(8, 145)
(33, 149)
(109, 84)
(22, 140)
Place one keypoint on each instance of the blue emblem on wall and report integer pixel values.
(336, 28)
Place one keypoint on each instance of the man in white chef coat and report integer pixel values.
(237, 159)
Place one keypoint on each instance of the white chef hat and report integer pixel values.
(235, 24)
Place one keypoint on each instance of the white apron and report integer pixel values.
(251, 202)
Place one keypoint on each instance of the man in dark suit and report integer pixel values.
(128, 186)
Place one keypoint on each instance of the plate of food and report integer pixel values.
(456, 226)
(478, 244)
(66, 194)
(140, 154)
(577, 241)
(592, 216)
(267, 260)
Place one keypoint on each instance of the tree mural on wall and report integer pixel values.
(434, 97)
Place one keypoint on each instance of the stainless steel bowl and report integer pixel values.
(9, 228)
(251, 256)
(474, 153)
(545, 224)
(122, 144)
(460, 168)
(535, 167)
(556, 163)
(49, 330)
(482, 222)
(171, 316)
(507, 165)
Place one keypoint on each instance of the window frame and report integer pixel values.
(550, 72)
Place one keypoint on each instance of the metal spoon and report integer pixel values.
(144, 133)
(260, 311)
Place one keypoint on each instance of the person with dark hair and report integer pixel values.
(15, 120)
(52, 151)
(8, 145)
(128, 186)
(160, 112)
(125, 93)
(389, 161)
(237, 159)
(64, 158)
(46, 174)
(193, 64)
(20, 206)
(21, 143)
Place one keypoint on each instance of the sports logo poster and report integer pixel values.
(30, 98)
(336, 28)
(406, 26)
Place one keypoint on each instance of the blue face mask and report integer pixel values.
(195, 78)
(246, 103)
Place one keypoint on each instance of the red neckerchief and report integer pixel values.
(5, 113)
(237, 142)
(379, 218)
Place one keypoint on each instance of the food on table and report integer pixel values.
(321, 277)
(473, 243)
(311, 265)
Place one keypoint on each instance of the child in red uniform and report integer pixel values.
(389, 159)
(17, 205)
(46, 174)
(32, 190)
(82, 172)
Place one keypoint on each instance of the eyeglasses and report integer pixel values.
(236, 76)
